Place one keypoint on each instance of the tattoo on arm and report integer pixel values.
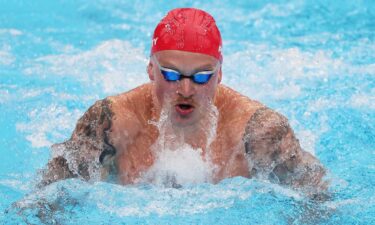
(88, 150)
(274, 152)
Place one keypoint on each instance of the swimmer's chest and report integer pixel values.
(226, 152)
(133, 154)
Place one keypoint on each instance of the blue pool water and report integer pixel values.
(313, 61)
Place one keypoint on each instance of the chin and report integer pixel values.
(184, 121)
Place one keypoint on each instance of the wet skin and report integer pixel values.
(226, 150)
(184, 92)
(251, 139)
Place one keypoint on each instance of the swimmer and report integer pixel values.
(116, 137)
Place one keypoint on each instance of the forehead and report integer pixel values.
(182, 59)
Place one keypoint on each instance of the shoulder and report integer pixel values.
(136, 101)
(274, 151)
(115, 111)
(131, 110)
(232, 104)
(260, 121)
(269, 139)
(98, 115)
(142, 91)
(265, 129)
(267, 123)
(235, 110)
(225, 93)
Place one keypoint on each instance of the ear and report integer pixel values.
(150, 70)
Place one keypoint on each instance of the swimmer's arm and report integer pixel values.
(88, 148)
(274, 150)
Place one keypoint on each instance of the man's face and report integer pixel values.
(187, 102)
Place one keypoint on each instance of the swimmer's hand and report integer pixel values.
(274, 152)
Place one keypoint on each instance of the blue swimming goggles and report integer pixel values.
(201, 77)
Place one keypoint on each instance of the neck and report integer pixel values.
(199, 135)
(196, 135)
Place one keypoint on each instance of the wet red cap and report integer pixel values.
(188, 29)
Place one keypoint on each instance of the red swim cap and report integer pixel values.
(188, 29)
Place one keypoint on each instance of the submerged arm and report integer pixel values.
(274, 151)
(87, 154)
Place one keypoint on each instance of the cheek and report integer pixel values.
(212, 90)
(208, 91)
(163, 90)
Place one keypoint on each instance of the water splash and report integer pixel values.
(107, 65)
(42, 131)
(177, 162)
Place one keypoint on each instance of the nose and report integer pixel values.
(186, 88)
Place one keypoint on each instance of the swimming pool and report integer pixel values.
(313, 61)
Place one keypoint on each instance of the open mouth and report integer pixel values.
(184, 109)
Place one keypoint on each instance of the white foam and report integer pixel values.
(123, 26)
(177, 162)
(286, 191)
(12, 31)
(14, 94)
(113, 65)
(279, 10)
(15, 184)
(6, 56)
(18, 181)
(187, 201)
(337, 204)
(362, 100)
(163, 201)
(5, 96)
(184, 165)
(244, 15)
(48, 125)
(358, 100)
(321, 104)
(268, 72)
(307, 139)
